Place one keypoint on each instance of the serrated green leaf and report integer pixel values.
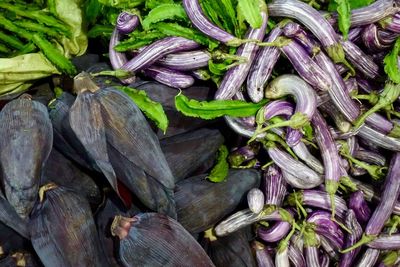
(251, 11)
(344, 12)
(91, 10)
(138, 39)
(150, 4)
(217, 68)
(164, 12)
(153, 110)
(216, 108)
(391, 63)
(122, 4)
(220, 170)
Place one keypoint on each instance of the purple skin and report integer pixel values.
(185, 61)
(354, 34)
(261, 69)
(312, 256)
(295, 31)
(338, 118)
(391, 23)
(358, 203)
(127, 22)
(309, 17)
(386, 242)
(275, 233)
(329, 153)
(360, 60)
(370, 157)
(296, 256)
(371, 39)
(171, 78)
(341, 69)
(379, 139)
(364, 85)
(379, 123)
(325, 260)
(304, 154)
(157, 50)
(387, 37)
(385, 207)
(262, 255)
(301, 175)
(369, 258)
(203, 24)
(327, 228)
(356, 231)
(306, 67)
(351, 85)
(117, 59)
(235, 76)
(372, 13)
(293, 137)
(275, 186)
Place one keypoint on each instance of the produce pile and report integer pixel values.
(199, 133)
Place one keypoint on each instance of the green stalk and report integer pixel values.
(36, 27)
(10, 26)
(11, 41)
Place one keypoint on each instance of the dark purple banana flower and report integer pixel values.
(360, 60)
(385, 207)
(356, 231)
(329, 154)
(369, 258)
(262, 255)
(306, 67)
(171, 78)
(372, 13)
(391, 23)
(185, 61)
(301, 176)
(127, 22)
(324, 226)
(153, 52)
(275, 186)
(262, 66)
(235, 76)
(319, 199)
(313, 21)
(360, 207)
(296, 255)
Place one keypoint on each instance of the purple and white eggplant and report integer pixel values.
(171, 78)
(360, 207)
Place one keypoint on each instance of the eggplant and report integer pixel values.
(169, 77)
(255, 200)
(62, 228)
(153, 239)
(186, 152)
(211, 201)
(27, 138)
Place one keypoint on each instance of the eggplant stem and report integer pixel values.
(365, 239)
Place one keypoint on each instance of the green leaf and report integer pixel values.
(217, 68)
(353, 4)
(216, 108)
(211, 13)
(150, 4)
(251, 11)
(390, 62)
(220, 170)
(100, 30)
(164, 12)
(344, 12)
(174, 29)
(138, 40)
(153, 110)
(92, 10)
(122, 4)
(221, 13)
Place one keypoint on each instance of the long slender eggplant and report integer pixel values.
(212, 201)
(306, 67)
(263, 258)
(172, 78)
(385, 207)
(127, 22)
(157, 50)
(274, 233)
(356, 231)
(380, 139)
(235, 76)
(309, 159)
(311, 244)
(360, 207)
(27, 138)
(370, 157)
(186, 152)
(386, 242)
(369, 258)
(295, 31)
(153, 239)
(62, 221)
(185, 61)
(391, 23)
(275, 186)
(372, 40)
(262, 66)
(296, 255)
(313, 20)
(305, 177)
(372, 13)
(323, 225)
